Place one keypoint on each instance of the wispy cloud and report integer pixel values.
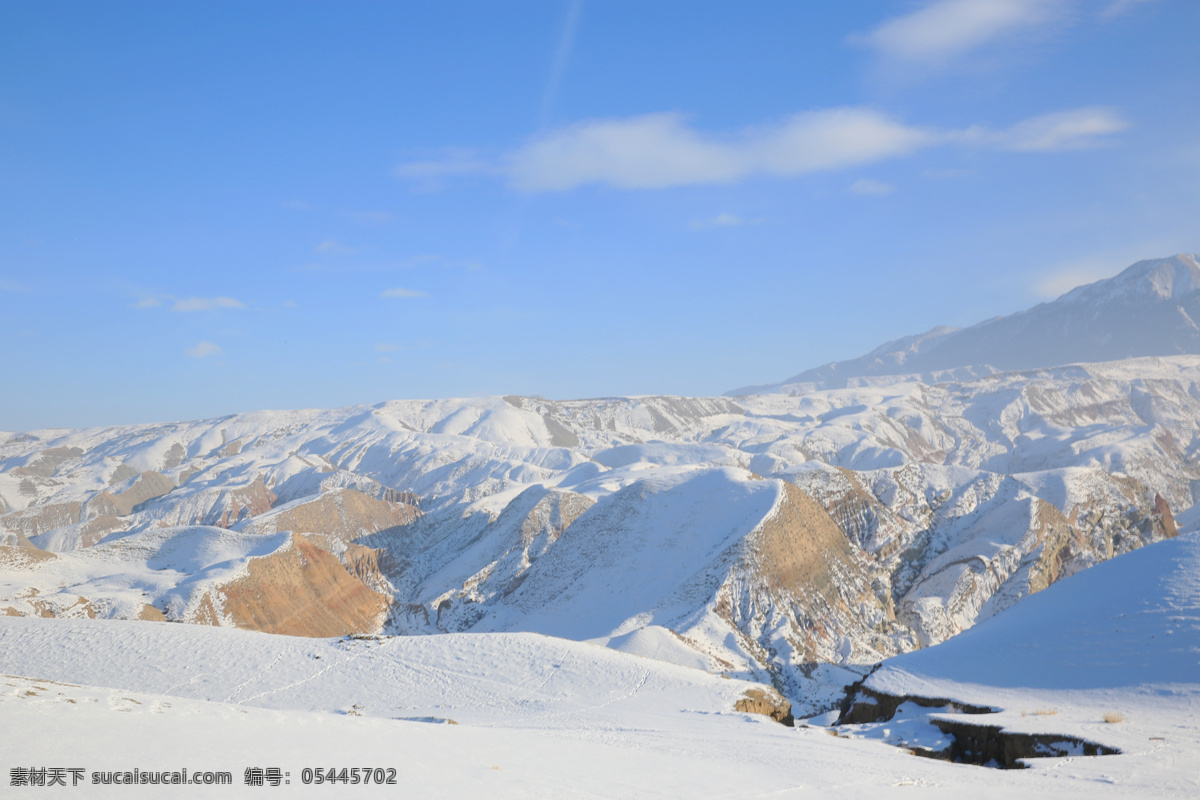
(940, 174)
(1076, 129)
(369, 217)
(1119, 8)
(447, 163)
(869, 186)
(659, 151)
(562, 56)
(723, 220)
(403, 293)
(203, 350)
(11, 286)
(334, 248)
(206, 304)
(384, 347)
(946, 29)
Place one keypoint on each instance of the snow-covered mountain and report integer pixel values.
(781, 538)
(1149, 309)
(759, 553)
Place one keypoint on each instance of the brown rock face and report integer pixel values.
(370, 565)
(96, 529)
(341, 514)
(151, 614)
(1165, 521)
(1061, 542)
(148, 486)
(47, 462)
(802, 576)
(798, 544)
(303, 591)
(39, 519)
(769, 704)
(249, 501)
(20, 557)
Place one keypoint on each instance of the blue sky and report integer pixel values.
(219, 207)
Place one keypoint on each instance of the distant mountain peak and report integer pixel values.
(1161, 278)
(1147, 310)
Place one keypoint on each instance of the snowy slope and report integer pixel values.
(1111, 655)
(538, 717)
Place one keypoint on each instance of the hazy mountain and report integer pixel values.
(1148, 310)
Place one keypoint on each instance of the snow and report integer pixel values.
(537, 717)
(940, 486)
(1121, 639)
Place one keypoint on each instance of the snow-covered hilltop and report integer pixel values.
(782, 538)
(1148, 310)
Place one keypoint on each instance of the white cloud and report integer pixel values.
(383, 347)
(401, 292)
(330, 246)
(939, 174)
(657, 151)
(869, 186)
(722, 220)
(10, 286)
(204, 349)
(945, 29)
(1118, 8)
(1064, 130)
(450, 162)
(206, 304)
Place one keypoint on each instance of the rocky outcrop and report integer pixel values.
(769, 703)
(147, 486)
(801, 583)
(343, 515)
(371, 566)
(97, 528)
(37, 520)
(300, 590)
(46, 463)
(248, 501)
(22, 556)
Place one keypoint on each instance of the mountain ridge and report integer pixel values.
(1148, 309)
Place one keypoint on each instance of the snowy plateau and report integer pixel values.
(968, 562)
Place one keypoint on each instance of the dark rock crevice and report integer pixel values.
(992, 746)
(971, 743)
